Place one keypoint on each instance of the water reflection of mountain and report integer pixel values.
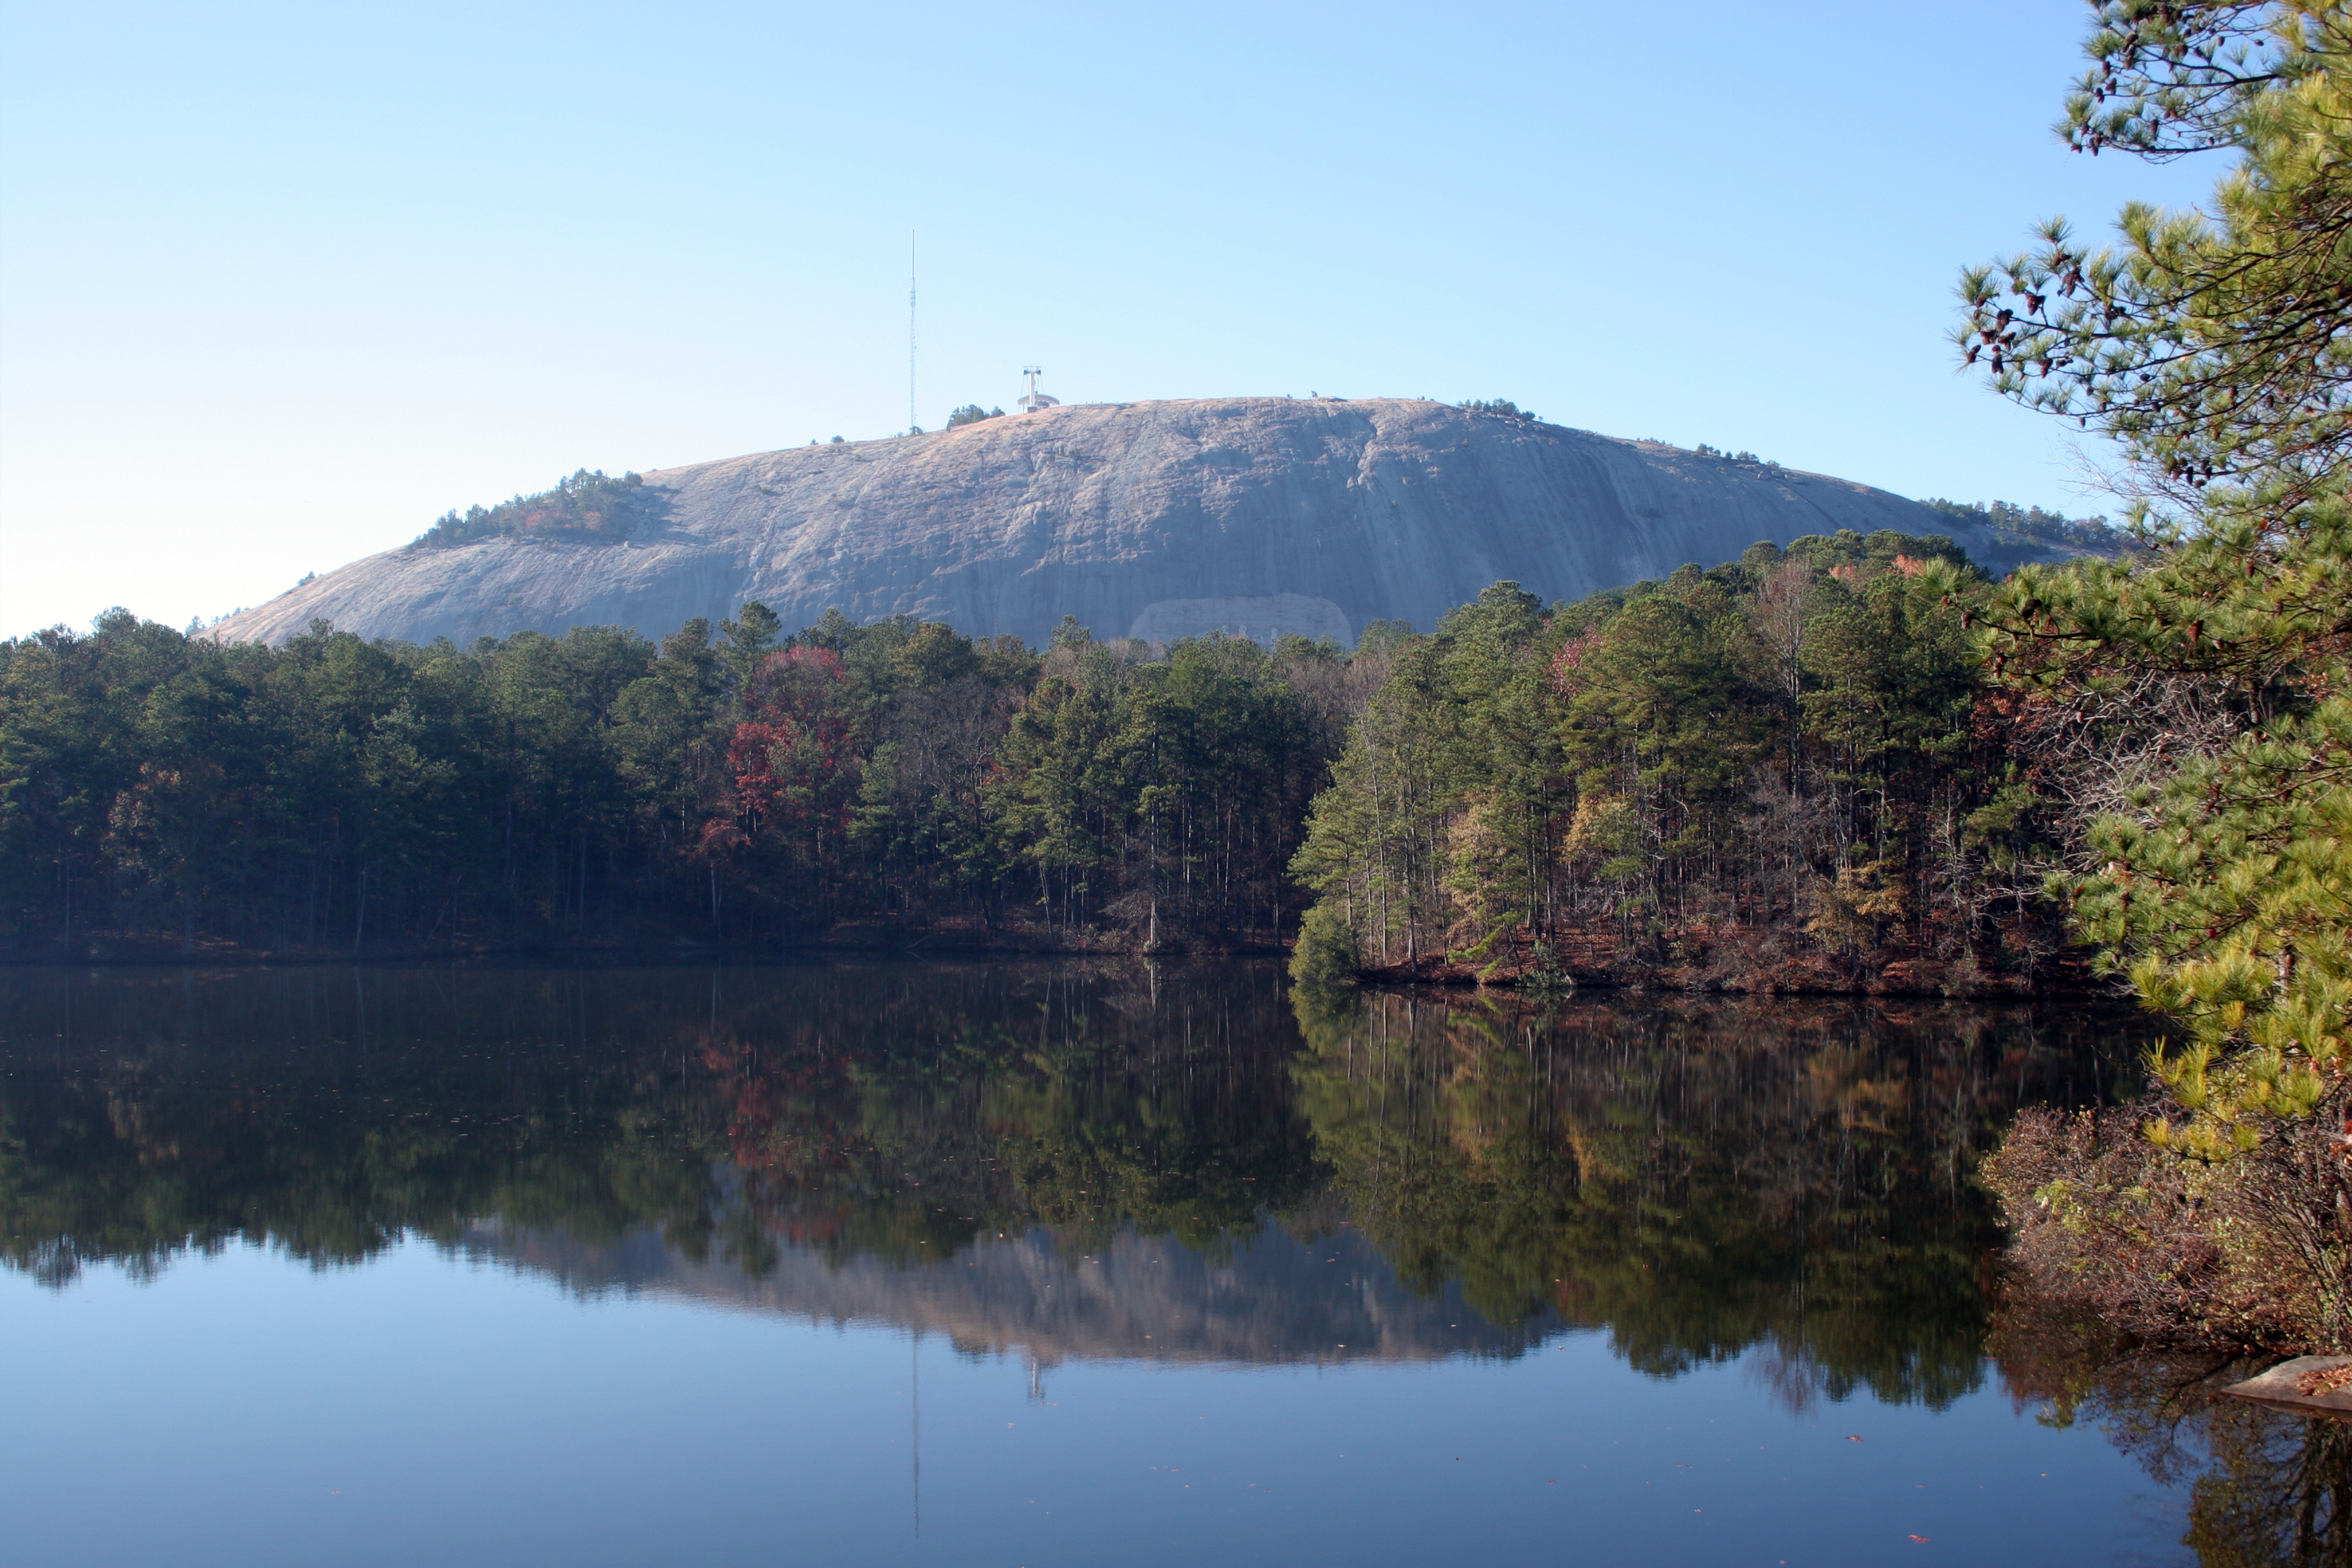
(1699, 1179)
(1266, 1298)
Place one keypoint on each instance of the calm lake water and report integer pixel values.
(1033, 1264)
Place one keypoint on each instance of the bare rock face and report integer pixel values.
(1254, 516)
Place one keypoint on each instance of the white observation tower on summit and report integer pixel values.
(1035, 400)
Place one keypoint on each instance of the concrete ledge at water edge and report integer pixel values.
(2317, 1385)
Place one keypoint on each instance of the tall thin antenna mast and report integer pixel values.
(1033, 400)
(910, 331)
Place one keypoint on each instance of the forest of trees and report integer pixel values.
(1781, 771)
(164, 791)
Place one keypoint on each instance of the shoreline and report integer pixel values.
(2065, 976)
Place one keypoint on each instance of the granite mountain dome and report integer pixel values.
(1249, 515)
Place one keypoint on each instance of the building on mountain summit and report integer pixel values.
(1033, 399)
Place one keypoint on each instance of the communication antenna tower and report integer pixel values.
(1035, 399)
(910, 330)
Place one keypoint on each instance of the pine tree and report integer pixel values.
(2211, 671)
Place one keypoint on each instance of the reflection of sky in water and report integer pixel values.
(243, 1409)
(627, 1267)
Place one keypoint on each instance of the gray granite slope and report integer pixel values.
(1250, 515)
(1266, 1300)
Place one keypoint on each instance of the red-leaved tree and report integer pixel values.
(792, 757)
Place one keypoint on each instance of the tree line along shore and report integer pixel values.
(1784, 773)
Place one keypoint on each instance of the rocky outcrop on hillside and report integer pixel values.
(1254, 516)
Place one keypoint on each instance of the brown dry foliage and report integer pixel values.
(2250, 1252)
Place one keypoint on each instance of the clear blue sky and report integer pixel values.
(278, 286)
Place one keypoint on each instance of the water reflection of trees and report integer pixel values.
(885, 1109)
(1700, 1178)
(2267, 1487)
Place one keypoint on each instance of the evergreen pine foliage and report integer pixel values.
(162, 793)
(2210, 342)
(2193, 702)
(2189, 707)
(1773, 772)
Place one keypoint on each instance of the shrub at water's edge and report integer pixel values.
(2173, 1250)
(1325, 953)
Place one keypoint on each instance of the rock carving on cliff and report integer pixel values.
(1254, 516)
